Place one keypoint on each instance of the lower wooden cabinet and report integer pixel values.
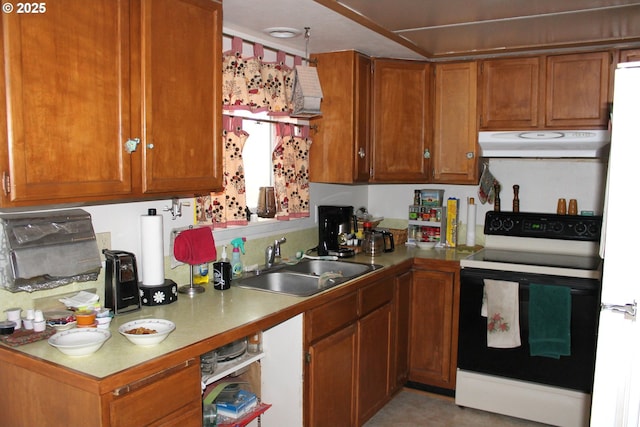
(375, 329)
(169, 397)
(434, 324)
(332, 372)
(352, 351)
(400, 340)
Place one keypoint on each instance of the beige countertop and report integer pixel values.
(213, 318)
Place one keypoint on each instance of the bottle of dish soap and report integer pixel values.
(236, 262)
(222, 272)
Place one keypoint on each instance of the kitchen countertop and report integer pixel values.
(213, 318)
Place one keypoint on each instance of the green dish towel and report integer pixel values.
(549, 320)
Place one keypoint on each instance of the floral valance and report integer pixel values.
(255, 85)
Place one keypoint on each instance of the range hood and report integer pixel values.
(545, 143)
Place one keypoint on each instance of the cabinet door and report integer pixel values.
(374, 361)
(401, 319)
(332, 379)
(181, 84)
(340, 149)
(432, 356)
(577, 90)
(67, 102)
(455, 123)
(510, 93)
(400, 140)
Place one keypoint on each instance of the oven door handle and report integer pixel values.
(629, 310)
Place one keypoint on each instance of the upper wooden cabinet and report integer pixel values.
(340, 152)
(401, 121)
(85, 77)
(557, 91)
(509, 93)
(455, 128)
(577, 90)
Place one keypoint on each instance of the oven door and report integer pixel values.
(573, 372)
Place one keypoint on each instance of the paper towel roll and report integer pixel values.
(471, 223)
(152, 249)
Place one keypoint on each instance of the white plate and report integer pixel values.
(79, 342)
(162, 327)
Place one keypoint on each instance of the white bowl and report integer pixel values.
(79, 342)
(426, 245)
(162, 327)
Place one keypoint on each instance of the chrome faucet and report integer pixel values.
(272, 254)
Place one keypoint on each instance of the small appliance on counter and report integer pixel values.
(121, 290)
(335, 225)
(376, 241)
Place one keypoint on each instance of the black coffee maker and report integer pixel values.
(335, 224)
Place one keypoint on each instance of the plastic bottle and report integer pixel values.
(222, 272)
(236, 262)
(200, 274)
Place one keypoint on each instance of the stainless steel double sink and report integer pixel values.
(305, 278)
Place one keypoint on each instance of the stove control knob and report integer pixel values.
(593, 229)
(580, 228)
(507, 224)
(496, 224)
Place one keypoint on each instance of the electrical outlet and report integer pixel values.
(104, 242)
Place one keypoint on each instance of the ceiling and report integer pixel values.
(435, 29)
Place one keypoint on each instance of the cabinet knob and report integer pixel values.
(470, 155)
(427, 154)
(361, 153)
(131, 145)
(150, 146)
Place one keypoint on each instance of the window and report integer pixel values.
(258, 168)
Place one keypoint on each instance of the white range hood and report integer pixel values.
(545, 143)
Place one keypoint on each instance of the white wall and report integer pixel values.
(541, 181)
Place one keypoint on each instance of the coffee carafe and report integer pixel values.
(376, 242)
(334, 227)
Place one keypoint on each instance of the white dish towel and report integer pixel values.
(501, 308)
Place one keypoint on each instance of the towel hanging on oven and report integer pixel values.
(549, 320)
(500, 306)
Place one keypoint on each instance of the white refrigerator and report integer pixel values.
(616, 393)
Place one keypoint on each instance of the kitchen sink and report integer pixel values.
(344, 268)
(305, 278)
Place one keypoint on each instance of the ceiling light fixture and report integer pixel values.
(283, 32)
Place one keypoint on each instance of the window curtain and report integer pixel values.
(227, 207)
(255, 85)
(291, 171)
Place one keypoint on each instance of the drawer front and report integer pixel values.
(330, 317)
(159, 397)
(374, 296)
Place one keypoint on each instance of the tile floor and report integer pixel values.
(414, 408)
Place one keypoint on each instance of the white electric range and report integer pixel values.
(531, 248)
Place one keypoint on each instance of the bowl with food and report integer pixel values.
(147, 332)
